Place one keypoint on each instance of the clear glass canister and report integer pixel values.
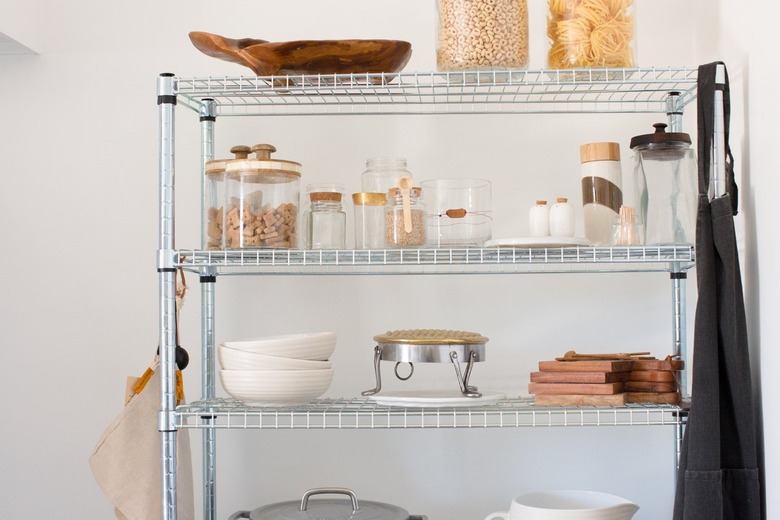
(369, 215)
(326, 221)
(261, 206)
(459, 211)
(480, 34)
(213, 222)
(665, 175)
(405, 217)
(383, 173)
(592, 34)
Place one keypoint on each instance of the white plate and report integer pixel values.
(538, 242)
(434, 399)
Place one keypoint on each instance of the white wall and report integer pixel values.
(80, 292)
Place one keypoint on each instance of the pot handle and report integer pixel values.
(239, 514)
(499, 515)
(329, 491)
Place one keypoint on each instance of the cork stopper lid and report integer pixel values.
(561, 200)
(599, 152)
(325, 195)
(541, 202)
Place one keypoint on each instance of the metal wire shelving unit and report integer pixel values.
(493, 92)
(593, 91)
(439, 261)
(362, 413)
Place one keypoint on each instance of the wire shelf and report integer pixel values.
(362, 413)
(676, 258)
(643, 90)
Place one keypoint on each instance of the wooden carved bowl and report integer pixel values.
(307, 56)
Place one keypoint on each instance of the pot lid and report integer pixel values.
(660, 136)
(347, 508)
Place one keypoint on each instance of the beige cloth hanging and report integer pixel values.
(127, 463)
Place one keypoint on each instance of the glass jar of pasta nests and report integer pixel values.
(482, 34)
(591, 34)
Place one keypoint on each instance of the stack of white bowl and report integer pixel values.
(277, 370)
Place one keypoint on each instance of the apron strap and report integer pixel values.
(707, 85)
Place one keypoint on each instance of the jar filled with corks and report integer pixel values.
(405, 215)
(261, 204)
(482, 34)
(213, 223)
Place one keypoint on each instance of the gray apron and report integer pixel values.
(718, 476)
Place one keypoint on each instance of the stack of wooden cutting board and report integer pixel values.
(606, 380)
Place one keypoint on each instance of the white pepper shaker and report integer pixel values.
(562, 218)
(539, 219)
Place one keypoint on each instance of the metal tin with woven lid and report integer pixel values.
(430, 346)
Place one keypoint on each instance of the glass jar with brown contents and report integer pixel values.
(405, 224)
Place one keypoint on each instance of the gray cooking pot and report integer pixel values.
(327, 509)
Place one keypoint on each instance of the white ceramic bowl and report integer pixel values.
(567, 505)
(317, 346)
(570, 505)
(276, 387)
(235, 359)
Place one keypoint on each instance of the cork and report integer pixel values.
(325, 195)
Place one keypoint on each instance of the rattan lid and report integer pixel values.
(431, 337)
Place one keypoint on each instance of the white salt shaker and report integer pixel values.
(562, 218)
(539, 219)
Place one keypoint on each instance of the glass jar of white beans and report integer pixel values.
(482, 34)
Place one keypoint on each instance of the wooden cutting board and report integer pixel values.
(650, 386)
(660, 376)
(658, 364)
(580, 400)
(650, 397)
(601, 365)
(579, 377)
(575, 388)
